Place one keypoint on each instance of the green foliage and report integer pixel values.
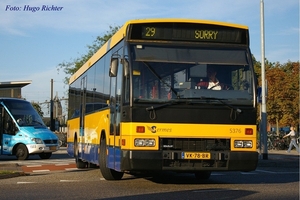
(72, 66)
(38, 108)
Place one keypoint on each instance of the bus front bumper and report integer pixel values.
(173, 161)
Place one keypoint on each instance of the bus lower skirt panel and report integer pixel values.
(219, 161)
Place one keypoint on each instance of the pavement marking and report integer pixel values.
(42, 170)
(25, 182)
(33, 165)
(66, 181)
(62, 164)
(69, 169)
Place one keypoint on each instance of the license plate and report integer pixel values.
(52, 148)
(196, 155)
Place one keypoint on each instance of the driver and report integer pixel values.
(211, 82)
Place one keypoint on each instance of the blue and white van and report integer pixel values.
(23, 132)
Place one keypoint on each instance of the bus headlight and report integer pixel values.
(243, 144)
(37, 140)
(141, 142)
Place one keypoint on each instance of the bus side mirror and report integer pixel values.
(113, 70)
(126, 66)
(258, 92)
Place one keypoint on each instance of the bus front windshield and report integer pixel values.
(168, 73)
(24, 113)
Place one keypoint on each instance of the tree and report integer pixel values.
(72, 66)
(291, 94)
(282, 92)
(275, 94)
(38, 108)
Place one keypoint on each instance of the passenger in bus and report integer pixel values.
(211, 82)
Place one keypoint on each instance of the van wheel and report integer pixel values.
(45, 155)
(79, 163)
(108, 174)
(203, 175)
(22, 152)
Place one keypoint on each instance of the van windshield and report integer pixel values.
(24, 113)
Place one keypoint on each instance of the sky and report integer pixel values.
(34, 40)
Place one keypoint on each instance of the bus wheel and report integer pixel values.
(79, 163)
(45, 155)
(203, 175)
(22, 152)
(108, 174)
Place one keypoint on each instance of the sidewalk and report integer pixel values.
(279, 158)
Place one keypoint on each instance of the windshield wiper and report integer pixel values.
(158, 106)
(166, 103)
(151, 109)
(221, 101)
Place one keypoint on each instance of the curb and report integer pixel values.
(12, 175)
(13, 170)
(11, 167)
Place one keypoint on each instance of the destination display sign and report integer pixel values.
(189, 32)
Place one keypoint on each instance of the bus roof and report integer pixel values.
(121, 33)
(175, 20)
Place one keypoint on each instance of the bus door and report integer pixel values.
(115, 109)
(82, 110)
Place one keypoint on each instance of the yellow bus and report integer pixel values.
(146, 101)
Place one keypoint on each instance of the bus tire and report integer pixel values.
(79, 163)
(22, 152)
(203, 175)
(45, 155)
(108, 174)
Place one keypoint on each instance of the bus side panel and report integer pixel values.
(9, 142)
(90, 153)
(94, 154)
(73, 129)
(95, 124)
(70, 149)
(114, 158)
